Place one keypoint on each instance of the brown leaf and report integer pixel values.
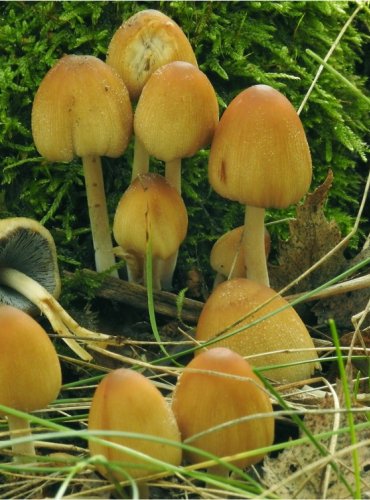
(311, 237)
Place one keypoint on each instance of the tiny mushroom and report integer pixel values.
(227, 257)
(143, 43)
(260, 157)
(176, 115)
(127, 401)
(30, 373)
(221, 407)
(150, 209)
(29, 278)
(279, 339)
(82, 108)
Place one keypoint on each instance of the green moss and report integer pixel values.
(237, 45)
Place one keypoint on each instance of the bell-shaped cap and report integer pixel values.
(259, 154)
(150, 207)
(145, 42)
(177, 112)
(81, 108)
(282, 338)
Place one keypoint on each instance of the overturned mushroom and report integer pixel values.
(29, 278)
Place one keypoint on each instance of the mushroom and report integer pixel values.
(145, 42)
(280, 339)
(212, 400)
(82, 108)
(260, 157)
(30, 373)
(176, 115)
(227, 257)
(127, 401)
(150, 209)
(29, 277)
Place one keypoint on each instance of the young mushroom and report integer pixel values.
(150, 208)
(281, 339)
(82, 108)
(227, 257)
(127, 401)
(176, 115)
(212, 400)
(29, 278)
(30, 373)
(260, 157)
(143, 43)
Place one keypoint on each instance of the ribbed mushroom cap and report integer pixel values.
(150, 207)
(259, 155)
(226, 390)
(82, 108)
(285, 330)
(227, 253)
(28, 247)
(30, 374)
(127, 401)
(142, 44)
(177, 112)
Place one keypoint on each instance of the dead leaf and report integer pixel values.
(311, 237)
(309, 484)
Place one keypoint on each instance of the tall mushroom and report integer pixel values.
(127, 401)
(150, 208)
(280, 339)
(29, 277)
(82, 108)
(143, 43)
(176, 115)
(260, 157)
(30, 374)
(221, 407)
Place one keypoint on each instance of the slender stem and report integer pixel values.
(19, 427)
(99, 221)
(254, 245)
(173, 173)
(140, 164)
(167, 270)
(156, 273)
(61, 322)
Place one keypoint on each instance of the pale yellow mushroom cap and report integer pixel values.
(30, 374)
(216, 387)
(150, 207)
(259, 154)
(227, 253)
(236, 298)
(144, 43)
(177, 112)
(127, 401)
(81, 108)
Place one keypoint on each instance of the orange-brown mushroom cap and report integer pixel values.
(279, 339)
(127, 401)
(145, 42)
(30, 373)
(150, 207)
(177, 112)
(216, 387)
(82, 108)
(259, 154)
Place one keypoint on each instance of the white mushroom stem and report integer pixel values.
(61, 322)
(167, 269)
(140, 163)
(99, 221)
(254, 245)
(156, 273)
(20, 427)
(173, 173)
